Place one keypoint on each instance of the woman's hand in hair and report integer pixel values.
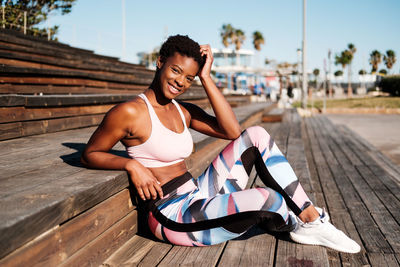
(144, 181)
(206, 52)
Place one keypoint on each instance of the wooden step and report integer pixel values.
(275, 115)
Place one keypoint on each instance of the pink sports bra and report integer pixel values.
(164, 147)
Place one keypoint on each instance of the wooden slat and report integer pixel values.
(26, 128)
(27, 60)
(387, 224)
(378, 259)
(60, 243)
(13, 114)
(372, 238)
(138, 251)
(290, 254)
(25, 215)
(373, 154)
(258, 250)
(336, 206)
(68, 81)
(201, 256)
(67, 89)
(104, 245)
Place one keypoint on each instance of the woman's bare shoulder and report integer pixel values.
(128, 110)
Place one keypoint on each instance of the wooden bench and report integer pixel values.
(53, 210)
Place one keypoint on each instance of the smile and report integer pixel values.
(173, 89)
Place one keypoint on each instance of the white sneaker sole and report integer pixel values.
(301, 239)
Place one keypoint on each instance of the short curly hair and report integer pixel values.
(184, 46)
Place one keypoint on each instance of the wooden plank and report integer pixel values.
(389, 200)
(138, 251)
(287, 251)
(10, 58)
(20, 72)
(68, 81)
(155, 255)
(315, 182)
(66, 89)
(375, 165)
(379, 259)
(372, 238)
(72, 54)
(337, 208)
(296, 155)
(58, 139)
(341, 219)
(374, 154)
(300, 255)
(37, 177)
(387, 224)
(25, 215)
(185, 256)
(26, 128)
(258, 250)
(46, 101)
(105, 244)
(14, 114)
(56, 245)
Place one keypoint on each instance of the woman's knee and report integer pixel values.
(259, 137)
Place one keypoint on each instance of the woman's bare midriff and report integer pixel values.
(167, 173)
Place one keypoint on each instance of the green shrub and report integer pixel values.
(391, 85)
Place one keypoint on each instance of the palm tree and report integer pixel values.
(258, 40)
(375, 59)
(390, 59)
(316, 74)
(343, 59)
(383, 72)
(362, 73)
(351, 51)
(238, 38)
(227, 34)
(338, 73)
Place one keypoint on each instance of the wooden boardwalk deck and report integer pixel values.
(339, 170)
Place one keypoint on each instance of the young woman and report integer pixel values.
(214, 207)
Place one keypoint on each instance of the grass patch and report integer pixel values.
(367, 102)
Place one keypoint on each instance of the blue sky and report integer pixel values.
(368, 24)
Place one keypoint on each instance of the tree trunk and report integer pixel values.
(349, 88)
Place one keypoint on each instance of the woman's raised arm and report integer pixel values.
(224, 124)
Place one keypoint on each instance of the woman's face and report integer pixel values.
(176, 74)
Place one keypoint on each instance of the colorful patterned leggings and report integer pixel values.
(216, 207)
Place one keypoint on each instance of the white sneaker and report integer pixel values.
(321, 232)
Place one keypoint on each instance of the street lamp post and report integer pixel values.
(123, 31)
(298, 67)
(329, 74)
(304, 50)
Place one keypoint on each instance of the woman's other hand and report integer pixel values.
(144, 181)
(205, 72)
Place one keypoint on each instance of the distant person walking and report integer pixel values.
(290, 90)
